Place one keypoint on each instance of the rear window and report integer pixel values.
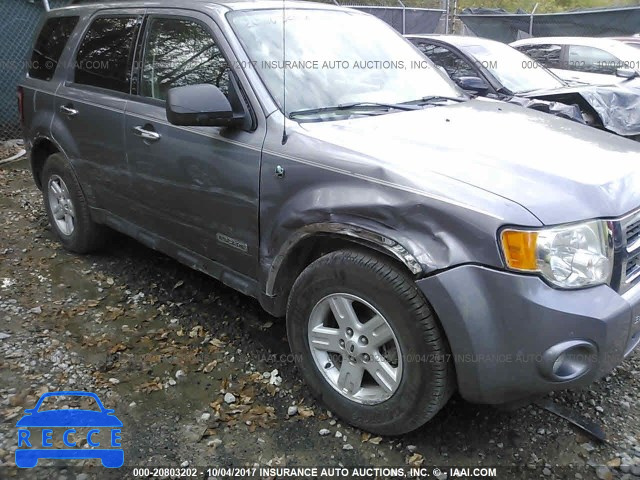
(105, 54)
(50, 45)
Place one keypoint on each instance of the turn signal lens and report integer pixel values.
(520, 249)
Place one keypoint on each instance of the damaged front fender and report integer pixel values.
(316, 186)
(618, 107)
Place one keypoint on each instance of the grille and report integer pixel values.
(633, 232)
(633, 268)
(630, 253)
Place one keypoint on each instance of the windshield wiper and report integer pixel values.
(399, 106)
(435, 99)
(349, 106)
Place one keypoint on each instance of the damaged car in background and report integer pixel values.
(492, 69)
(418, 241)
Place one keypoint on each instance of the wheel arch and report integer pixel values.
(43, 147)
(313, 241)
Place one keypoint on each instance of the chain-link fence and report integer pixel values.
(498, 24)
(18, 22)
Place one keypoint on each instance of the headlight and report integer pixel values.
(569, 256)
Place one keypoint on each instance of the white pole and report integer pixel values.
(447, 7)
(404, 17)
(46, 5)
(531, 20)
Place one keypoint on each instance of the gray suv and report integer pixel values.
(418, 241)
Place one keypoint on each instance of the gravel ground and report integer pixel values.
(201, 376)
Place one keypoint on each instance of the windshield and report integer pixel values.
(513, 69)
(335, 58)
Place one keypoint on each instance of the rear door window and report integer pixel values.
(49, 46)
(180, 52)
(105, 54)
(545, 54)
(593, 60)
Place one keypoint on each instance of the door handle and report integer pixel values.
(68, 111)
(145, 134)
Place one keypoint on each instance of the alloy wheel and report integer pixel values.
(61, 206)
(355, 348)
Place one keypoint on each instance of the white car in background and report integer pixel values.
(596, 61)
(633, 41)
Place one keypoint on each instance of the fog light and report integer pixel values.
(569, 360)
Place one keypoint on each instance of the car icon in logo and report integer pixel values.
(31, 449)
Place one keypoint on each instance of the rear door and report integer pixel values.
(548, 54)
(196, 187)
(38, 88)
(89, 113)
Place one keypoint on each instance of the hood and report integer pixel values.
(618, 106)
(557, 169)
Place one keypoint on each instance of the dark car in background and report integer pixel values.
(490, 68)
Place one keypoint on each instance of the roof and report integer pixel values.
(635, 41)
(229, 4)
(613, 46)
(457, 40)
(587, 41)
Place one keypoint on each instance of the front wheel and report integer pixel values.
(368, 343)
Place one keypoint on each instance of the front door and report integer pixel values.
(197, 187)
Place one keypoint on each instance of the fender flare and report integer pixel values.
(358, 234)
(35, 142)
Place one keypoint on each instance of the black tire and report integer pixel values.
(428, 378)
(87, 236)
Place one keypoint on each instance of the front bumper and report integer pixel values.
(502, 327)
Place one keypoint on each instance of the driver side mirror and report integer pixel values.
(626, 73)
(201, 105)
(473, 84)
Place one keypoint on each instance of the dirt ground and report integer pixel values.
(164, 346)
